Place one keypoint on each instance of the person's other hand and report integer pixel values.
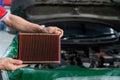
(11, 64)
(54, 30)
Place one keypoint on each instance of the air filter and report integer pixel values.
(39, 48)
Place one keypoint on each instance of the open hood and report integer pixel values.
(84, 21)
(42, 11)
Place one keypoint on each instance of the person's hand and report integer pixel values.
(54, 30)
(10, 64)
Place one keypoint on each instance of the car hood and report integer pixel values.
(99, 11)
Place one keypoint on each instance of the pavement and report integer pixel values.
(5, 40)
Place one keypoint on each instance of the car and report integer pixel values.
(92, 28)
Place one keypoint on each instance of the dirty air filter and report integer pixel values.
(39, 48)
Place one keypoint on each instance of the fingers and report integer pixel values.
(16, 62)
(14, 67)
(53, 30)
(11, 64)
(60, 32)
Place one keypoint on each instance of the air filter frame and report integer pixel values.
(47, 45)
